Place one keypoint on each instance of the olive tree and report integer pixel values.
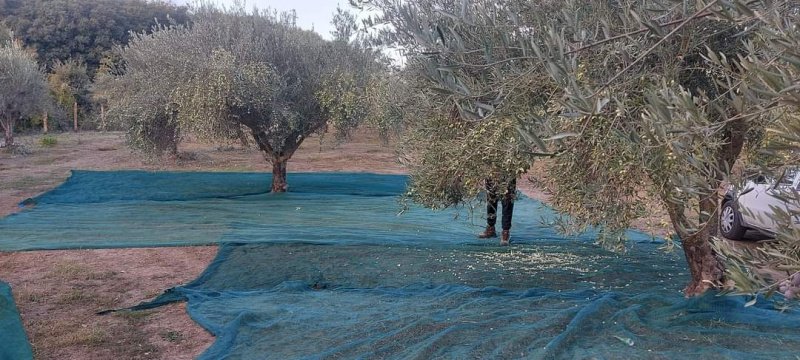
(767, 79)
(238, 75)
(141, 106)
(652, 112)
(624, 95)
(69, 85)
(24, 89)
(463, 123)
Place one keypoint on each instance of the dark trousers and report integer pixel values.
(492, 198)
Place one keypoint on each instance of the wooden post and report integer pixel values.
(103, 117)
(44, 122)
(75, 116)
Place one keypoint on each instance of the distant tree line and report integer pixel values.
(83, 30)
(71, 40)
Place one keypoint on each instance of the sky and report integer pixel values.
(314, 14)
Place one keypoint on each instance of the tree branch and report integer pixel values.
(641, 57)
(620, 36)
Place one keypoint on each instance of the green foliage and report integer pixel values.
(551, 67)
(138, 104)
(69, 84)
(48, 141)
(601, 164)
(345, 26)
(24, 90)
(83, 30)
(466, 122)
(767, 83)
(639, 100)
(237, 75)
(451, 158)
(388, 98)
(343, 100)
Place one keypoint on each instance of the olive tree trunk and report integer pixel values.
(706, 269)
(8, 132)
(278, 159)
(279, 184)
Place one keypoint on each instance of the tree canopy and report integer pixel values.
(83, 30)
(24, 90)
(634, 101)
(69, 84)
(255, 77)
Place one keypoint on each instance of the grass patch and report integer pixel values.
(48, 141)
(70, 271)
(25, 295)
(17, 150)
(227, 148)
(103, 275)
(74, 296)
(134, 316)
(25, 182)
(172, 336)
(105, 301)
(91, 337)
(47, 160)
(34, 297)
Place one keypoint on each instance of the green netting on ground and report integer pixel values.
(13, 341)
(547, 298)
(139, 209)
(331, 271)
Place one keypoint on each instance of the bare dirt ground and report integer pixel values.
(58, 292)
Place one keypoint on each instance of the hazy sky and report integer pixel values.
(310, 13)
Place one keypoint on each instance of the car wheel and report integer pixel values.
(730, 222)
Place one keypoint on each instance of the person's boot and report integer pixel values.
(504, 238)
(488, 233)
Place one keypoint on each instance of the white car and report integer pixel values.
(756, 205)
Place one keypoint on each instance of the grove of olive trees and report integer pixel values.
(83, 30)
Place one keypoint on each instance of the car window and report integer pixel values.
(788, 177)
(757, 178)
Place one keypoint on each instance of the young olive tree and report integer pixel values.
(235, 74)
(624, 94)
(24, 89)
